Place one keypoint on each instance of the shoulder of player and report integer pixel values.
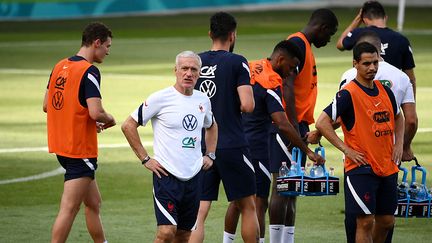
(386, 70)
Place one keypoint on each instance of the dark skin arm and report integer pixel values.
(281, 120)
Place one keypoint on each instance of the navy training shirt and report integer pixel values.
(258, 123)
(221, 73)
(395, 48)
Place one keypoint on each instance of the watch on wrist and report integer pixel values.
(145, 160)
(211, 155)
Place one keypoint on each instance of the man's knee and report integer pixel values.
(386, 222)
(365, 222)
(166, 233)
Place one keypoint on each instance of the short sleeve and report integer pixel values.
(243, 72)
(208, 118)
(273, 101)
(349, 41)
(407, 55)
(147, 110)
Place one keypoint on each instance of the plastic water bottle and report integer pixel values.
(413, 191)
(303, 170)
(284, 170)
(422, 193)
(307, 169)
(293, 169)
(331, 171)
(319, 171)
(403, 190)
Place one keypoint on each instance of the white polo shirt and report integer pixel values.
(177, 122)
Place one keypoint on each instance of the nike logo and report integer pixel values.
(275, 228)
(377, 104)
(231, 238)
(64, 67)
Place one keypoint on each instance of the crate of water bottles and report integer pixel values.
(310, 181)
(414, 199)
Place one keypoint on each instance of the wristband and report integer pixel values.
(145, 160)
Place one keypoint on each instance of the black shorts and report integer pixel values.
(263, 177)
(77, 168)
(235, 169)
(176, 202)
(367, 193)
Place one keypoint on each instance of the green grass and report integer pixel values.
(141, 62)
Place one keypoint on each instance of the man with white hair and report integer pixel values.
(178, 114)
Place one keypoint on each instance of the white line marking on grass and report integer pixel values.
(45, 149)
(55, 172)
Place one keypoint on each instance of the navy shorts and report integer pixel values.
(280, 148)
(236, 171)
(176, 202)
(367, 193)
(263, 177)
(77, 168)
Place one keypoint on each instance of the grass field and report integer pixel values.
(141, 62)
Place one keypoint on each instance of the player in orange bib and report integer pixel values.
(373, 144)
(74, 116)
(300, 94)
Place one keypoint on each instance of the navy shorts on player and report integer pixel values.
(367, 193)
(263, 177)
(77, 168)
(278, 152)
(176, 202)
(236, 171)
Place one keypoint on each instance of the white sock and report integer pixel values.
(105, 241)
(275, 231)
(288, 234)
(262, 240)
(228, 238)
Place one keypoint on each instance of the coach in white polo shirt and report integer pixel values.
(178, 114)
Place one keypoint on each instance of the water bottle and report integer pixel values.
(403, 190)
(331, 171)
(293, 169)
(283, 170)
(308, 168)
(312, 171)
(422, 193)
(303, 170)
(413, 191)
(319, 171)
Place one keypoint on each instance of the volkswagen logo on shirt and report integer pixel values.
(208, 87)
(190, 122)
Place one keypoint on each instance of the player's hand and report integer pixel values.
(99, 127)
(407, 154)
(207, 163)
(111, 123)
(313, 137)
(315, 158)
(154, 166)
(397, 154)
(355, 156)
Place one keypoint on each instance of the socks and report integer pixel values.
(228, 238)
(288, 234)
(276, 232)
(262, 240)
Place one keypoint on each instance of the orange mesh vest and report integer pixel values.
(305, 84)
(262, 73)
(71, 131)
(373, 130)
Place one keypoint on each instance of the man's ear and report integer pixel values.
(97, 43)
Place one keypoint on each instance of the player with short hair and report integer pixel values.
(225, 78)
(401, 86)
(373, 140)
(266, 78)
(74, 117)
(178, 114)
(395, 47)
(300, 94)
